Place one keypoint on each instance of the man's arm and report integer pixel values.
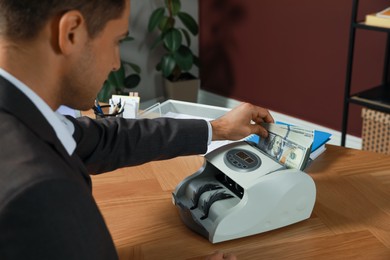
(108, 144)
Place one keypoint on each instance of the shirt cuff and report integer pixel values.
(210, 132)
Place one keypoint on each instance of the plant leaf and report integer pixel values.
(186, 36)
(196, 61)
(189, 22)
(112, 79)
(173, 40)
(106, 92)
(165, 24)
(132, 81)
(156, 18)
(133, 66)
(175, 7)
(118, 77)
(158, 66)
(184, 58)
(168, 63)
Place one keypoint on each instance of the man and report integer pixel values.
(55, 52)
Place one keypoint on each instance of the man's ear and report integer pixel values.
(72, 32)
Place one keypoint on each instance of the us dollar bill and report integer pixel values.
(289, 145)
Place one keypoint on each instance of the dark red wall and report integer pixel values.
(289, 55)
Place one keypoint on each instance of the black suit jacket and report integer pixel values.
(46, 206)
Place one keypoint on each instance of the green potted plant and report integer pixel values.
(118, 82)
(178, 59)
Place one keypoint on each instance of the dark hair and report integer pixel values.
(23, 19)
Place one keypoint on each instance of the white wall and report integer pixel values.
(138, 51)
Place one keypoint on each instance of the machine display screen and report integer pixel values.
(245, 157)
(242, 160)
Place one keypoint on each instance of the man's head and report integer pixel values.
(63, 50)
(23, 19)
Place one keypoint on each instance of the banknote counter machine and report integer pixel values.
(241, 191)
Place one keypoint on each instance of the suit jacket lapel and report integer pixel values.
(16, 103)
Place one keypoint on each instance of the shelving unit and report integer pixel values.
(377, 97)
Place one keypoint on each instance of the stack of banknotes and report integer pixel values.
(289, 145)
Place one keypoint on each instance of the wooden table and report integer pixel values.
(351, 217)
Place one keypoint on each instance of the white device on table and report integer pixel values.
(240, 191)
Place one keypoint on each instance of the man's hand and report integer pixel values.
(240, 122)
